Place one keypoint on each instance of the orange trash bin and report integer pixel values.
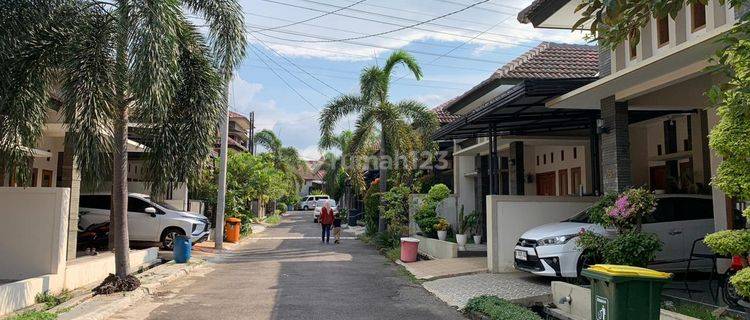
(232, 230)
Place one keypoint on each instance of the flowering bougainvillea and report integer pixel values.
(630, 208)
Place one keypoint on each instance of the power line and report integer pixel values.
(316, 17)
(490, 10)
(290, 73)
(462, 44)
(253, 49)
(355, 78)
(391, 23)
(407, 26)
(295, 65)
(370, 57)
(369, 45)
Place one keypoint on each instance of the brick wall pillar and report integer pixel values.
(615, 150)
(515, 168)
(71, 178)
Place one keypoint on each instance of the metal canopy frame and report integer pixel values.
(521, 110)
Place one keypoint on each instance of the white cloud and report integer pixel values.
(387, 15)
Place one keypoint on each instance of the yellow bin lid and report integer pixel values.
(628, 271)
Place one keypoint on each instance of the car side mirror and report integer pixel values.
(151, 211)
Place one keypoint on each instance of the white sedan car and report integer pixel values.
(679, 220)
(319, 206)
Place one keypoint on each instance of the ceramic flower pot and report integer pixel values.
(442, 235)
(461, 241)
(477, 239)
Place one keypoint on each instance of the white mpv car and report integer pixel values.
(679, 220)
(148, 221)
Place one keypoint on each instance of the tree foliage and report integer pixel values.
(253, 177)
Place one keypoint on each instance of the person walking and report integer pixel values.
(326, 220)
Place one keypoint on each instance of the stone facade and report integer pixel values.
(615, 146)
(71, 178)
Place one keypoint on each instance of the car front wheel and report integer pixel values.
(305, 208)
(169, 236)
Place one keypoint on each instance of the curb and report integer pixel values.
(89, 308)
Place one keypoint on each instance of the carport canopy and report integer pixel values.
(521, 110)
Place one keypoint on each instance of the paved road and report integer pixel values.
(288, 274)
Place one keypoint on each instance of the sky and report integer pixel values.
(303, 53)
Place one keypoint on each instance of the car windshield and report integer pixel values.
(581, 217)
(163, 204)
(321, 203)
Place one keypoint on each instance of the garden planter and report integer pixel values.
(477, 239)
(442, 235)
(461, 241)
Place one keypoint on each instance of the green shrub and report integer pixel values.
(393, 254)
(34, 315)
(51, 300)
(372, 214)
(632, 249)
(598, 212)
(741, 282)
(426, 216)
(499, 309)
(274, 219)
(281, 207)
(729, 242)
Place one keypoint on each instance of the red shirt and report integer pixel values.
(326, 216)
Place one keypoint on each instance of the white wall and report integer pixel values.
(508, 217)
(463, 184)
(33, 231)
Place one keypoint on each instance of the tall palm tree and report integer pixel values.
(111, 64)
(335, 168)
(286, 159)
(402, 125)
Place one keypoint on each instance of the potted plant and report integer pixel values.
(472, 225)
(462, 230)
(442, 227)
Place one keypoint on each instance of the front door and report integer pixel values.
(575, 178)
(545, 184)
(658, 177)
(563, 182)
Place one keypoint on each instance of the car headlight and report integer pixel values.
(556, 240)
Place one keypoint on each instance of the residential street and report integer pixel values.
(288, 274)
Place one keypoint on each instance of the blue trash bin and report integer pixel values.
(182, 248)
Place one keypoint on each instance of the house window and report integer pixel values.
(575, 153)
(544, 158)
(698, 13)
(562, 155)
(632, 48)
(662, 31)
(658, 149)
(46, 178)
(34, 175)
(537, 160)
(551, 157)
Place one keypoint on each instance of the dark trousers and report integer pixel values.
(325, 234)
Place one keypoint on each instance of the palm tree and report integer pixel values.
(336, 171)
(111, 64)
(403, 125)
(286, 159)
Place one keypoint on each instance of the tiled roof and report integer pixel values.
(551, 60)
(443, 115)
(548, 60)
(523, 16)
(233, 114)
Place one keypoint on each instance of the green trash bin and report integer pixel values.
(625, 292)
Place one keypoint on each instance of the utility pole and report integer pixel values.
(221, 197)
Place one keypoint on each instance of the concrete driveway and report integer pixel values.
(286, 273)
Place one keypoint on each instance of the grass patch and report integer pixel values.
(402, 271)
(34, 315)
(51, 300)
(499, 309)
(393, 254)
(274, 219)
(695, 310)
